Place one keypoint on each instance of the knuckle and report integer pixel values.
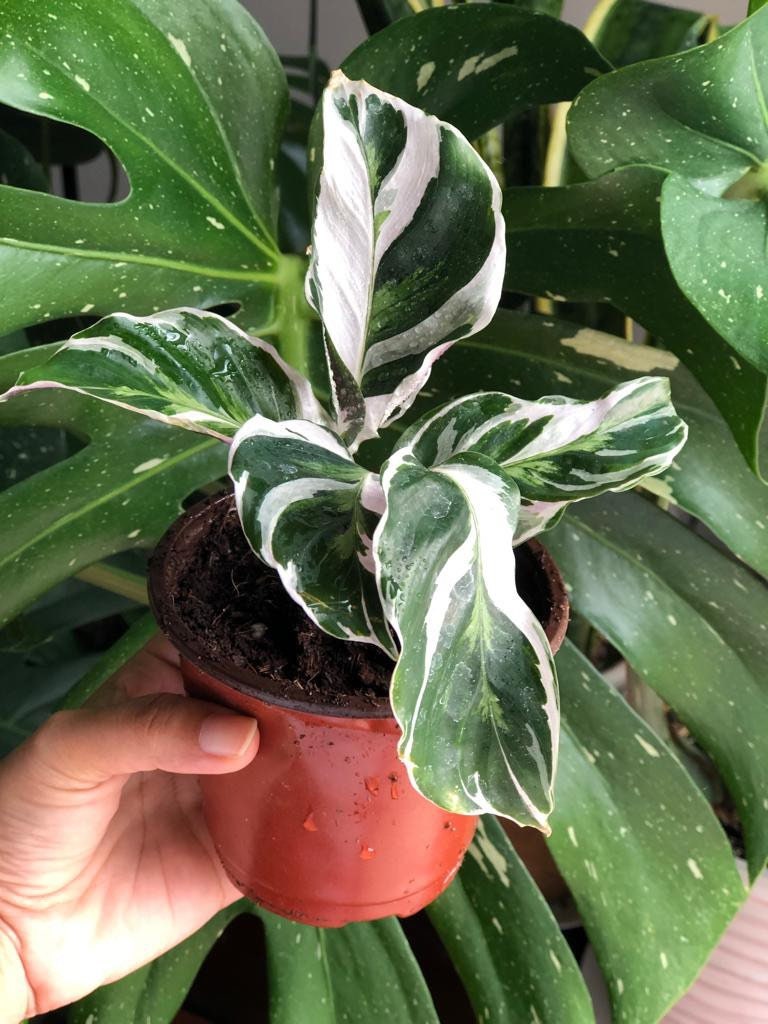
(158, 715)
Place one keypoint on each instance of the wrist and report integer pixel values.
(14, 990)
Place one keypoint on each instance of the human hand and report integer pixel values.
(105, 858)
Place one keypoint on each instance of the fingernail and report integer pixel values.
(227, 735)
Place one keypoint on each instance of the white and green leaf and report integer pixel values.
(184, 367)
(474, 689)
(556, 449)
(309, 511)
(407, 249)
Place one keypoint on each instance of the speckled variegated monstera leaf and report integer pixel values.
(193, 108)
(702, 116)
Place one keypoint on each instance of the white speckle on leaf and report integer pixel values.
(180, 48)
(647, 747)
(694, 868)
(149, 464)
(553, 957)
(215, 223)
(425, 73)
(468, 66)
(759, 292)
(83, 83)
(664, 960)
(495, 58)
(45, 96)
(672, 620)
(572, 835)
(133, 533)
(87, 307)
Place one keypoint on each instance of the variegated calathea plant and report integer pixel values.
(631, 163)
(416, 556)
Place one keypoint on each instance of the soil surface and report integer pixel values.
(232, 611)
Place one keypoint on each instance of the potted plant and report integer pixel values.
(608, 230)
(420, 561)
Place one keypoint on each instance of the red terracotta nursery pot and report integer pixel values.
(323, 827)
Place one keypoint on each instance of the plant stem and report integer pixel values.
(116, 581)
(294, 314)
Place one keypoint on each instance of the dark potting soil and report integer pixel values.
(232, 611)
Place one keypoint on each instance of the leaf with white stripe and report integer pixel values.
(183, 367)
(559, 450)
(474, 689)
(407, 249)
(309, 511)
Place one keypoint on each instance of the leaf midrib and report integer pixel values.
(198, 270)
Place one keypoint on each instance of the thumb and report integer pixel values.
(82, 748)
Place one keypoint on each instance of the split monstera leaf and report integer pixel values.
(419, 558)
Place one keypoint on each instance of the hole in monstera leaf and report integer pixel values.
(58, 330)
(25, 451)
(227, 309)
(51, 156)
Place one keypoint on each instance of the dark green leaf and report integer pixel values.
(607, 238)
(692, 622)
(628, 31)
(504, 941)
(703, 116)
(18, 167)
(475, 65)
(183, 108)
(121, 490)
(154, 994)
(649, 865)
(357, 974)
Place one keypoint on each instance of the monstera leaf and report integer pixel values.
(183, 367)
(199, 224)
(608, 239)
(702, 117)
(476, 65)
(407, 250)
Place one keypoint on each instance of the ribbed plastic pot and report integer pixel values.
(323, 827)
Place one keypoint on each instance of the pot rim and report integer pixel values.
(246, 681)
